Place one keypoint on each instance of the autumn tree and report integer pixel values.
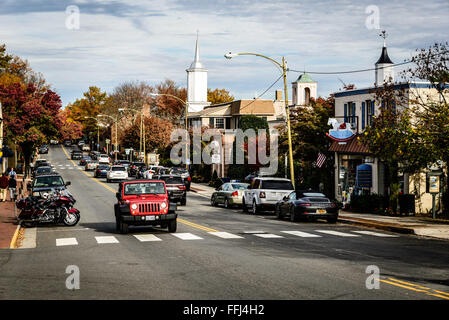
(70, 130)
(167, 107)
(86, 108)
(219, 96)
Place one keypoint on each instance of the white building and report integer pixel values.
(197, 83)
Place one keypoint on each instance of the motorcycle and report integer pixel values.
(54, 207)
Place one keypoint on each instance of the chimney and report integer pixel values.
(278, 95)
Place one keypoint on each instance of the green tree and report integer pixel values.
(219, 96)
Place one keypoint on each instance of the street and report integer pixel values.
(216, 253)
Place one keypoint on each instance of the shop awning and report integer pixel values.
(353, 146)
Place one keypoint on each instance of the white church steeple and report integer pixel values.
(384, 66)
(197, 83)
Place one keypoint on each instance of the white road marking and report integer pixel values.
(337, 233)
(226, 235)
(186, 236)
(66, 242)
(377, 234)
(302, 234)
(67, 165)
(147, 237)
(106, 239)
(268, 235)
(253, 232)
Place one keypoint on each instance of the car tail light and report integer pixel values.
(182, 187)
(305, 204)
(262, 195)
(189, 179)
(235, 194)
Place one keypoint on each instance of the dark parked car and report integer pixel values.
(43, 149)
(134, 168)
(306, 204)
(67, 143)
(175, 187)
(101, 171)
(47, 182)
(76, 155)
(184, 173)
(42, 169)
(83, 160)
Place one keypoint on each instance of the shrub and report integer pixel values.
(369, 203)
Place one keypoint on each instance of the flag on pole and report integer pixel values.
(320, 160)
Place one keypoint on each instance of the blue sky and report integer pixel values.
(152, 41)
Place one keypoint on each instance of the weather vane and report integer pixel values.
(384, 35)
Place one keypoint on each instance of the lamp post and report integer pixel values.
(283, 68)
(185, 108)
(116, 132)
(142, 131)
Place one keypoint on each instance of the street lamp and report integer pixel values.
(116, 133)
(283, 68)
(142, 131)
(185, 108)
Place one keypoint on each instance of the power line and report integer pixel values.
(271, 86)
(352, 71)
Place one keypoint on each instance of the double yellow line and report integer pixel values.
(417, 288)
(188, 223)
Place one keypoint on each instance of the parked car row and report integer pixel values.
(278, 195)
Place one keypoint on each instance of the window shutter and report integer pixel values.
(363, 115)
(346, 112)
(353, 109)
(211, 122)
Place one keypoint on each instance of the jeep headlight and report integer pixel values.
(163, 205)
(134, 206)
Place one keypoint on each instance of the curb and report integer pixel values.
(13, 244)
(377, 225)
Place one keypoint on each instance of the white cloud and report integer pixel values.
(154, 40)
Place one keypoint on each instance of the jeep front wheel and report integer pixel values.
(172, 225)
(123, 227)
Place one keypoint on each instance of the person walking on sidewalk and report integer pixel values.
(4, 184)
(12, 184)
(12, 173)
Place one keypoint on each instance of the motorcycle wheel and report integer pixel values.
(71, 219)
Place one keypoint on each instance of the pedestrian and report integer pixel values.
(4, 184)
(12, 184)
(12, 173)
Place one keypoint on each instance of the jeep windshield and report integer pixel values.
(276, 184)
(48, 181)
(144, 188)
(172, 180)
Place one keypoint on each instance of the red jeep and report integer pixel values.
(144, 202)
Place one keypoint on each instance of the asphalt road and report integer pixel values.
(252, 257)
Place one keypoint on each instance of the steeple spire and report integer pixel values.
(196, 64)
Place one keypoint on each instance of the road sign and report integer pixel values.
(108, 141)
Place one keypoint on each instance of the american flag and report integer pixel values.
(320, 160)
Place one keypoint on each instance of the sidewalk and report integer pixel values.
(420, 226)
(8, 223)
(202, 189)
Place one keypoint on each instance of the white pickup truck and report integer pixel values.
(265, 192)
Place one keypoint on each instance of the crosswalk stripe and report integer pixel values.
(186, 236)
(226, 235)
(337, 233)
(377, 234)
(106, 239)
(147, 237)
(268, 235)
(302, 234)
(66, 242)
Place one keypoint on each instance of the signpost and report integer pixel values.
(433, 187)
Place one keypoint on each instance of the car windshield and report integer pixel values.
(49, 181)
(172, 180)
(103, 167)
(277, 184)
(144, 188)
(180, 170)
(118, 169)
(239, 186)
